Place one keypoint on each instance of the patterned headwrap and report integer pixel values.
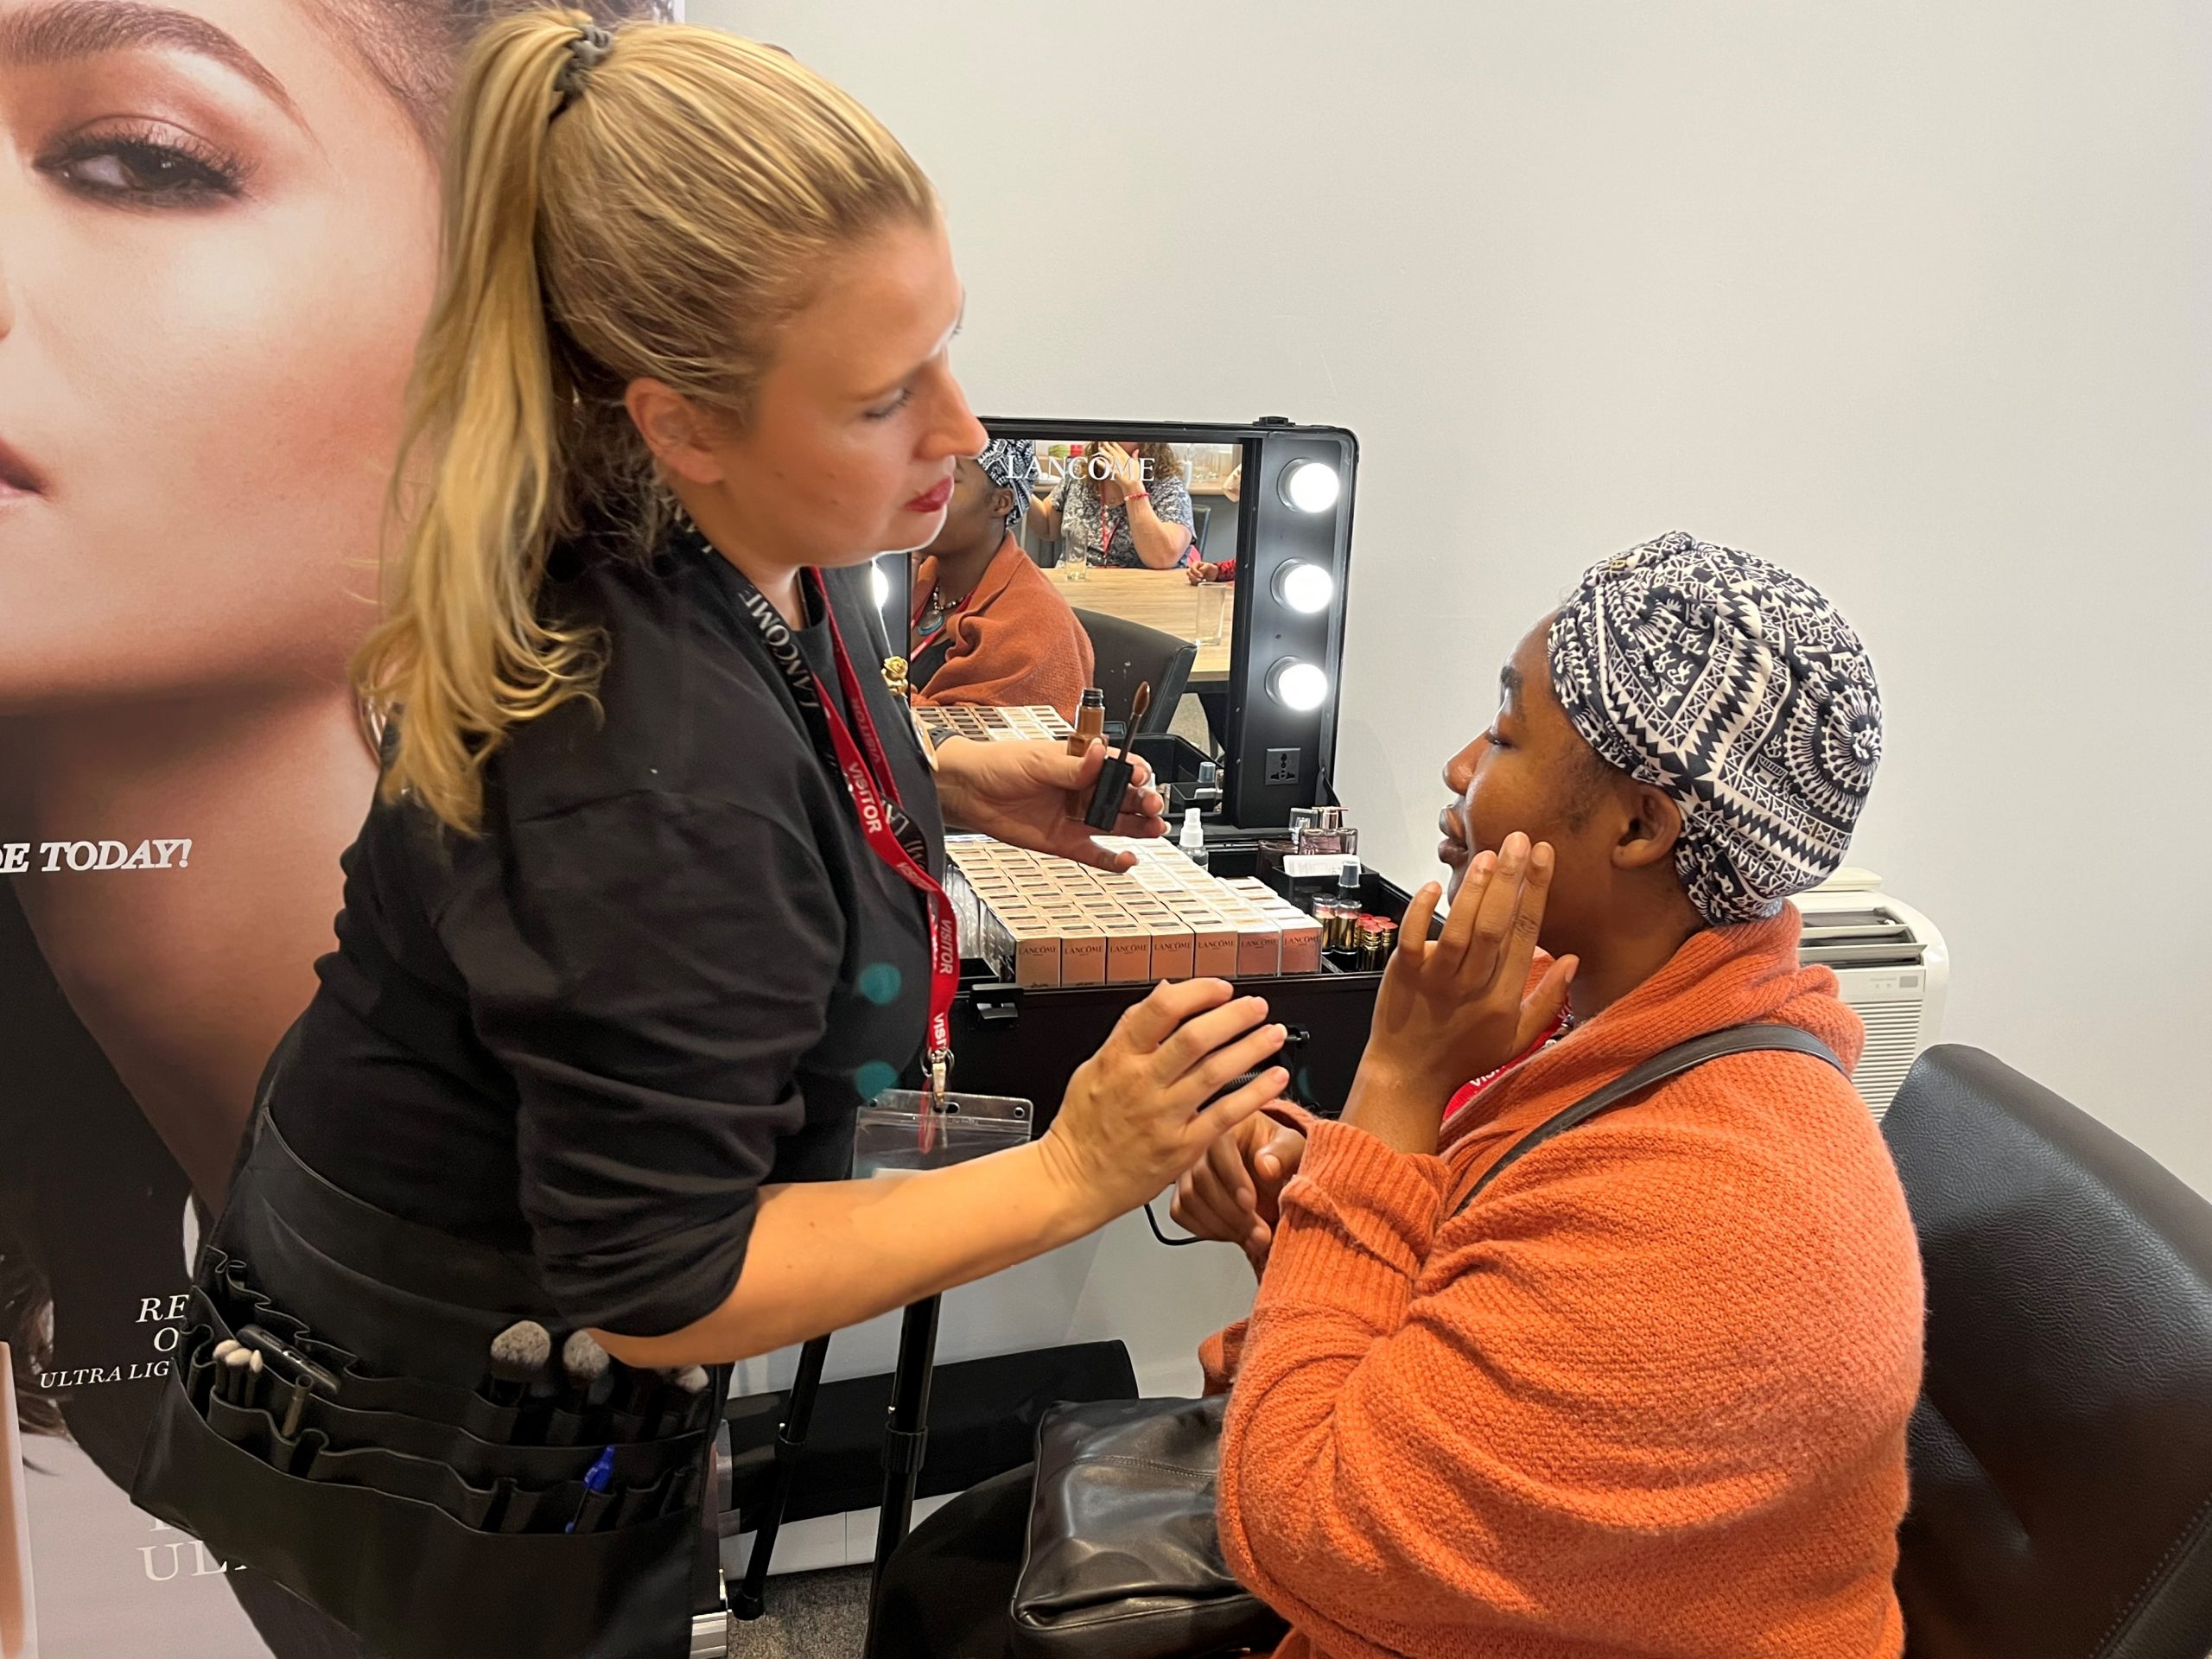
(1010, 463)
(1739, 690)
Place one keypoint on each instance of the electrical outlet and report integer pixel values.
(1282, 766)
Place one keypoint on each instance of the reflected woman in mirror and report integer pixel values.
(988, 627)
(1124, 506)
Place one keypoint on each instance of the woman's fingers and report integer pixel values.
(1224, 1065)
(1072, 842)
(1278, 1159)
(1230, 1110)
(1225, 1159)
(1494, 914)
(1413, 929)
(1199, 1206)
(1542, 1007)
(1214, 1198)
(1203, 1035)
(1527, 920)
(1459, 926)
(1149, 1024)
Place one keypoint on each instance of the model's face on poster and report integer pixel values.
(217, 240)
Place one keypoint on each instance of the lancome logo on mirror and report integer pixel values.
(1051, 469)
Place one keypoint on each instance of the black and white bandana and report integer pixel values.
(1011, 464)
(1739, 689)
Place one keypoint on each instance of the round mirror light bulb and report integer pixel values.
(881, 584)
(1302, 686)
(1304, 588)
(1310, 485)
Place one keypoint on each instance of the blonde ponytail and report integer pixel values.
(654, 208)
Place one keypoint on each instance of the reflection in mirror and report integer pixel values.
(1085, 559)
(988, 625)
(1139, 536)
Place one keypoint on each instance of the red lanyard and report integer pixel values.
(861, 782)
(874, 792)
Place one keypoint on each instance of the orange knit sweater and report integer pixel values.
(1013, 640)
(1645, 1399)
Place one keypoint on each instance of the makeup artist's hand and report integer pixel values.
(1233, 1194)
(1017, 793)
(1136, 1114)
(1453, 1008)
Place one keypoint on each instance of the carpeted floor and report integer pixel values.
(810, 1616)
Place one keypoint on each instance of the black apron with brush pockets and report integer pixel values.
(416, 1508)
(550, 1066)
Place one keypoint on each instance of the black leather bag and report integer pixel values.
(1123, 1560)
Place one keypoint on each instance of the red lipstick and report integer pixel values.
(934, 499)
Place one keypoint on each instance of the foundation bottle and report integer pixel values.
(1090, 726)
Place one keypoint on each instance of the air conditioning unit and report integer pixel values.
(1894, 969)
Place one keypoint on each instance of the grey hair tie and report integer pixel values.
(586, 53)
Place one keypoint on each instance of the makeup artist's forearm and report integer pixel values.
(825, 1255)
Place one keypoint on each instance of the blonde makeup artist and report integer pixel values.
(648, 904)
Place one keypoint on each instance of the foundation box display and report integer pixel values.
(1057, 951)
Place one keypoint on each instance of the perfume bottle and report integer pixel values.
(1327, 832)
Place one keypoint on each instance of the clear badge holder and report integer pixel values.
(898, 1132)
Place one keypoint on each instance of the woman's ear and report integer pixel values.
(676, 429)
(1655, 824)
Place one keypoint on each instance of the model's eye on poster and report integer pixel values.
(218, 252)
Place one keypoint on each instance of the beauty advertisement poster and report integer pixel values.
(219, 251)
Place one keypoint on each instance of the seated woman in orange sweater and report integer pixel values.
(1647, 1394)
(1645, 1397)
(989, 627)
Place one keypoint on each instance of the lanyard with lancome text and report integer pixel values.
(890, 834)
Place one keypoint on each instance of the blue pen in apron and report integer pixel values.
(599, 1479)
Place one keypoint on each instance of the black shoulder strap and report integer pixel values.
(1735, 1039)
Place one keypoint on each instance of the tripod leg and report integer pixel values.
(791, 1437)
(906, 1438)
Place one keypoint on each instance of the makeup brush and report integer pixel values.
(303, 1369)
(584, 1363)
(690, 1384)
(231, 1380)
(1114, 776)
(518, 1359)
(224, 1348)
(254, 1366)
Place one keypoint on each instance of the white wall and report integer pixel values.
(1909, 297)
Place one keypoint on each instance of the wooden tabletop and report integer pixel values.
(1165, 599)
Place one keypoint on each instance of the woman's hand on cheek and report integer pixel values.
(1017, 793)
(1453, 1008)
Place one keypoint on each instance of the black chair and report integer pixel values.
(1129, 655)
(2062, 1451)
